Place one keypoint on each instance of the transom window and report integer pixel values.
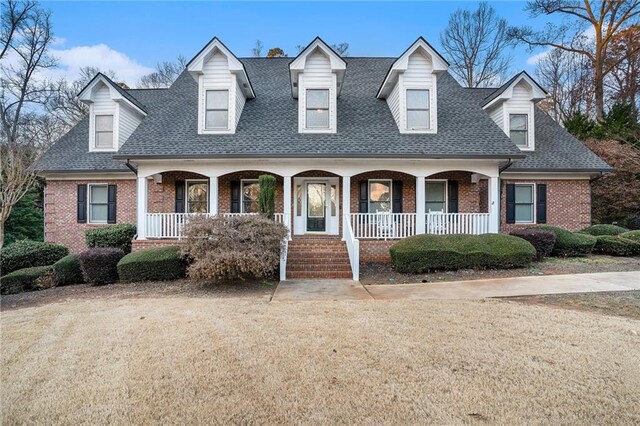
(104, 131)
(380, 196)
(197, 196)
(317, 109)
(436, 196)
(524, 203)
(518, 128)
(250, 194)
(217, 109)
(418, 109)
(98, 203)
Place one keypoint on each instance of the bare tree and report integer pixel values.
(165, 74)
(623, 84)
(605, 18)
(26, 36)
(257, 49)
(341, 49)
(476, 44)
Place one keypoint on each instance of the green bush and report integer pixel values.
(267, 195)
(616, 246)
(22, 279)
(570, 244)
(427, 252)
(68, 271)
(543, 241)
(116, 236)
(603, 230)
(25, 253)
(632, 222)
(100, 265)
(631, 235)
(154, 264)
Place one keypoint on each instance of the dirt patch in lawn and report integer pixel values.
(619, 303)
(383, 273)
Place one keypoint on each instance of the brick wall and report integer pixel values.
(375, 251)
(61, 225)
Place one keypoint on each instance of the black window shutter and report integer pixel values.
(363, 197)
(396, 206)
(453, 196)
(180, 198)
(541, 208)
(111, 203)
(82, 203)
(235, 196)
(511, 203)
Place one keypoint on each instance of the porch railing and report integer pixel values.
(457, 223)
(353, 248)
(382, 226)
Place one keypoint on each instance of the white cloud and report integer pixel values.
(533, 60)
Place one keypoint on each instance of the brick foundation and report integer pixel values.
(375, 251)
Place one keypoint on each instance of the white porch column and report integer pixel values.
(213, 195)
(494, 205)
(141, 198)
(346, 203)
(420, 205)
(286, 203)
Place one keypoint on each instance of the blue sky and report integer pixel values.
(131, 37)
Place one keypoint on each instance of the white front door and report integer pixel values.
(316, 206)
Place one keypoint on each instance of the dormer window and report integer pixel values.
(104, 131)
(418, 109)
(217, 109)
(518, 129)
(317, 109)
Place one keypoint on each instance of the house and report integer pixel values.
(365, 151)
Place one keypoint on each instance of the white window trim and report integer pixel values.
(202, 105)
(406, 109)
(369, 193)
(446, 194)
(306, 108)
(534, 201)
(242, 182)
(186, 192)
(92, 129)
(228, 109)
(96, 222)
(531, 129)
(433, 105)
(302, 105)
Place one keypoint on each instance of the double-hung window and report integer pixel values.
(518, 128)
(436, 196)
(104, 132)
(418, 109)
(98, 203)
(197, 196)
(524, 203)
(379, 196)
(317, 109)
(217, 110)
(250, 193)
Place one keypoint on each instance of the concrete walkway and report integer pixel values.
(310, 290)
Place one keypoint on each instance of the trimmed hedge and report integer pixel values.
(116, 236)
(153, 264)
(603, 230)
(99, 265)
(68, 270)
(25, 254)
(570, 244)
(631, 235)
(427, 252)
(543, 241)
(22, 279)
(616, 246)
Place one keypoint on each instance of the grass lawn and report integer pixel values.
(139, 354)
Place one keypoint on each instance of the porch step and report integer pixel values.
(318, 257)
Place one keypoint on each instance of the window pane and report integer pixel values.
(435, 191)
(98, 194)
(318, 99)
(250, 192)
(418, 99)
(316, 193)
(104, 123)
(379, 191)
(217, 120)
(383, 207)
(518, 122)
(197, 197)
(104, 139)
(434, 207)
(318, 118)
(217, 99)
(299, 200)
(333, 200)
(98, 213)
(524, 213)
(197, 207)
(417, 119)
(519, 137)
(524, 194)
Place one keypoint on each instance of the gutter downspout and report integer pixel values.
(131, 167)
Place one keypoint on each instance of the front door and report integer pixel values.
(316, 207)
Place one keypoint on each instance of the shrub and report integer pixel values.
(22, 279)
(26, 253)
(616, 246)
(99, 265)
(116, 236)
(154, 264)
(631, 235)
(267, 195)
(569, 244)
(632, 222)
(68, 270)
(225, 248)
(603, 230)
(46, 280)
(426, 252)
(543, 241)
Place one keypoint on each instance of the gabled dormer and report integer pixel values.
(512, 108)
(223, 88)
(317, 74)
(113, 113)
(411, 88)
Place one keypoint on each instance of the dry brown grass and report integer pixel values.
(210, 360)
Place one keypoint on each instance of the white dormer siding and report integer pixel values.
(129, 120)
(317, 75)
(521, 103)
(497, 115)
(418, 76)
(240, 101)
(394, 103)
